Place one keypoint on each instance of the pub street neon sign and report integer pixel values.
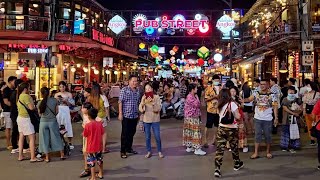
(142, 23)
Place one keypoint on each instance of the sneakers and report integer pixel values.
(217, 173)
(71, 146)
(238, 165)
(26, 151)
(190, 149)
(13, 151)
(199, 152)
(313, 143)
(245, 149)
(292, 151)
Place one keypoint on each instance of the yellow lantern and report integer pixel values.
(142, 45)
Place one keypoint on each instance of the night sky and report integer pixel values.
(173, 4)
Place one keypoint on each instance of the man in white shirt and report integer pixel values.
(265, 102)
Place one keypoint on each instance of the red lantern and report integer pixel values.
(25, 69)
(200, 62)
(175, 48)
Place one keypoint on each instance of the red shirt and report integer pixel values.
(93, 131)
(316, 112)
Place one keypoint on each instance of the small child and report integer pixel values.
(85, 108)
(94, 131)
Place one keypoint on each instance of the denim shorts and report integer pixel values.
(263, 128)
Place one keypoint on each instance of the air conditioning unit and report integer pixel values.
(307, 46)
(307, 60)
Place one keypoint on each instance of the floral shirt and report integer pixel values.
(212, 106)
(310, 98)
(192, 106)
(264, 104)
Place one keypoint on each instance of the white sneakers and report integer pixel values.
(199, 152)
(13, 151)
(245, 149)
(190, 149)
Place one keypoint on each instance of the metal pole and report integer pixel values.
(231, 43)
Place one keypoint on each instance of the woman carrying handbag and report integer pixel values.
(227, 131)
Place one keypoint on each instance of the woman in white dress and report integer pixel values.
(65, 100)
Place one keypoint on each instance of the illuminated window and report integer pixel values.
(84, 9)
(2, 8)
(34, 9)
(77, 15)
(78, 6)
(14, 8)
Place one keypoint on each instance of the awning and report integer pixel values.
(255, 58)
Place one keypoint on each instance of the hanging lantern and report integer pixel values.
(142, 45)
(175, 48)
(203, 52)
(108, 71)
(73, 69)
(172, 53)
(154, 48)
(283, 68)
(200, 62)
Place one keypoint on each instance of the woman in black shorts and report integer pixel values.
(248, 108)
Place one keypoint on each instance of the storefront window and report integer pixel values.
(77, 15)
(64, 13)
(46, 10)
(84, 9)
(34, 9)
(14, 8)
(2, 8)
(78, 6)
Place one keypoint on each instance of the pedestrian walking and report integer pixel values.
(150, 107)
(316, 124)
(309, 100)
(192, 137)
(227, 131)
(128, 115)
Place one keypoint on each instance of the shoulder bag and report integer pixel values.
(228, 117)
(34, 117)
(309, 108)
(314, 132)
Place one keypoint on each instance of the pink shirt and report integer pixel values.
(192, 106)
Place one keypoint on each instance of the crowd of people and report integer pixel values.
(234, 111)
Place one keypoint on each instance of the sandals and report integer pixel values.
(254, 157)
(161, 155)
(36, 160)
(148, 155)
(98, 176)
(85, 173)
(63, 158)
(105, 151)
(269, 156)
(23, 159)
(47, 160)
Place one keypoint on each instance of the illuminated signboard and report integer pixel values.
(141, 22)
(225, 24)
(79, 26)
(37, 50)
(235, 35)
(117, 24)
(102, 38)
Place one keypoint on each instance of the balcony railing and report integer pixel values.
(34, 23)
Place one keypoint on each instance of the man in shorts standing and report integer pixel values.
(211, 97)
(6, 108)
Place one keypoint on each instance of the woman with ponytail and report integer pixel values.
(49, 136)
(25, 127)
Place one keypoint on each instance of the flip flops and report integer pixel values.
(36, 160)
(269, 156)
(254, 157)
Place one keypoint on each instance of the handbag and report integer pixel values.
(309, 108)
(228, 117)
(294, 129)
(34, 117)
(314, 132)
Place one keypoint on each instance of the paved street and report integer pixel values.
(176, 165)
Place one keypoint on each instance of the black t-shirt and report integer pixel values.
(13, 107)
(6, 95)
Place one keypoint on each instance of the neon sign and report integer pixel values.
(117, 24)
(225, 24)
(140, 22)
(37, 50)
(102, 38)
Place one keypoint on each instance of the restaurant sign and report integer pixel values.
(102, 38)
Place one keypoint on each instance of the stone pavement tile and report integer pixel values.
(177, 164)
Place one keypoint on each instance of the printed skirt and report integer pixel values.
(192, 132)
